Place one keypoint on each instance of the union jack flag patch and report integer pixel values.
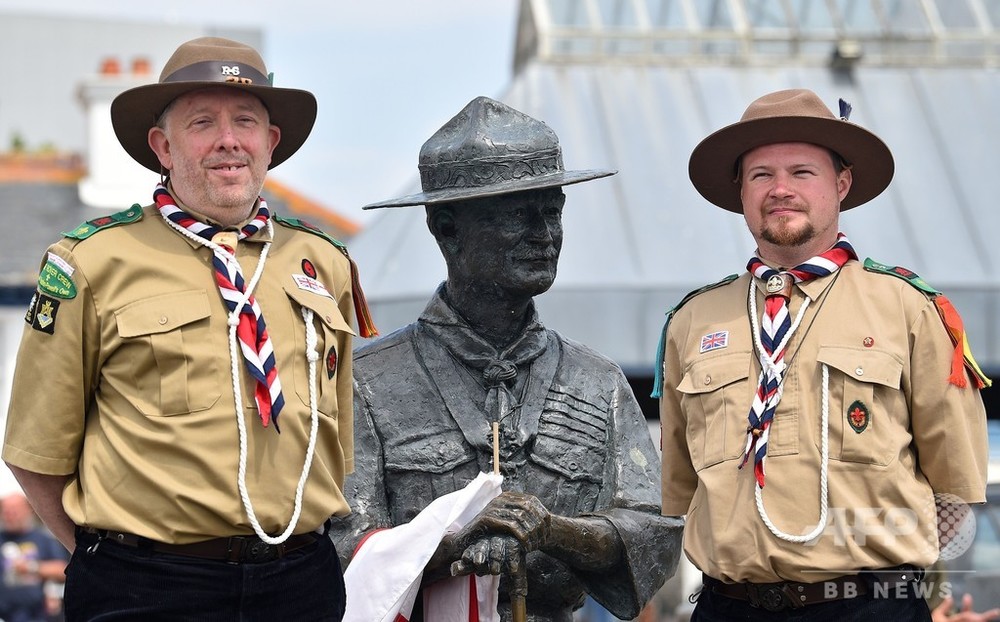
(714, 341)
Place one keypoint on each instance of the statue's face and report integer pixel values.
(510, 243)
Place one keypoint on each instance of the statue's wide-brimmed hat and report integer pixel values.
(794, 115)
(489, 149)
(211, 62)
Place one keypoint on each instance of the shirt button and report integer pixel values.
(708, 380)
(573, 466)
(163, 320)
(329, 320)
(859, 372)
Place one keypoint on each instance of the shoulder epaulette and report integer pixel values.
(901, 273)
(658, 366)
(365, 323)
(962, 357)
(89, 228)
(298, 223)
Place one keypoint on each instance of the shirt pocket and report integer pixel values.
(170, 352)
(716, 397)
(332, 336)
(864, 397)
(424, 464)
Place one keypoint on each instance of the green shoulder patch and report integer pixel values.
(298, 223)
(658, 365)
(56, 277)
(901, 273)
(89, 228)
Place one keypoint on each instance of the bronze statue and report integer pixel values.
(581, 507)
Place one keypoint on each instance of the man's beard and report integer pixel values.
(782, 235)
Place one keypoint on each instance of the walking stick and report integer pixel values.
(519, 580)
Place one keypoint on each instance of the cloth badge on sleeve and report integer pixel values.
(309, 268)
(714, 341)
(858, 416)
(310, 284)
(44, 319)
(331, 362)
(56, 278)
(29, 315)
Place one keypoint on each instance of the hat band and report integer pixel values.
(481, 173)
(218, 71)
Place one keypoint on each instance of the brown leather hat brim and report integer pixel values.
(713, 163)
(136, 110)
(447, 195)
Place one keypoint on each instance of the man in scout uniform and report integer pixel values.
(814, 408)
(580, 470)
(165, 349)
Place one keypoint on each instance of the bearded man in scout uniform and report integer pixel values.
(580, 471)
(165, 349)
(815, 407)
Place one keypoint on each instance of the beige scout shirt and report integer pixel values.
(885, 347)
(132, 393)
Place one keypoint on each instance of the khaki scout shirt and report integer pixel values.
(887, 350)
(127, 385)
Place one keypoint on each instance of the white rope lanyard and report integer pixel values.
(767, 361)
(234, 358)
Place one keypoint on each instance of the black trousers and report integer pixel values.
(115, 582)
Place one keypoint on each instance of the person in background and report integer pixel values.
(32, 559)
(943, 612)
(181, 409)
(815, 407)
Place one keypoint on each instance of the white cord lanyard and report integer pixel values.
(767, 361)
(311, 355)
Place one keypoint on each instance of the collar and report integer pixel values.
(261, 237)
(813, 288)
(451, 329)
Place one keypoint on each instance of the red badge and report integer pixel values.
(308, 269)
(903, 272)
(858, 416)
(331, 362)
(869, 342)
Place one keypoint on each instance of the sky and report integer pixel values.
(386, 74)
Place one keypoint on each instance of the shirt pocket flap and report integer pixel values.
(162, 313)
(872, 366)
(711, 374)
(324, 308)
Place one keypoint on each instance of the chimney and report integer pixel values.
(114, 180)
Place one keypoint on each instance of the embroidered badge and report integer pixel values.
(331, 362)
(714, 341)
(309, 268)
(56, 278)
(45, 314)
(310, 284)
(29, 315)
(858, 416)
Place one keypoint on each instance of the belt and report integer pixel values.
(794, 595)
(234, 550)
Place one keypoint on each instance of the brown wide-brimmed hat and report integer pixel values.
(794, 115)
(489, 149)
(211, 62)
